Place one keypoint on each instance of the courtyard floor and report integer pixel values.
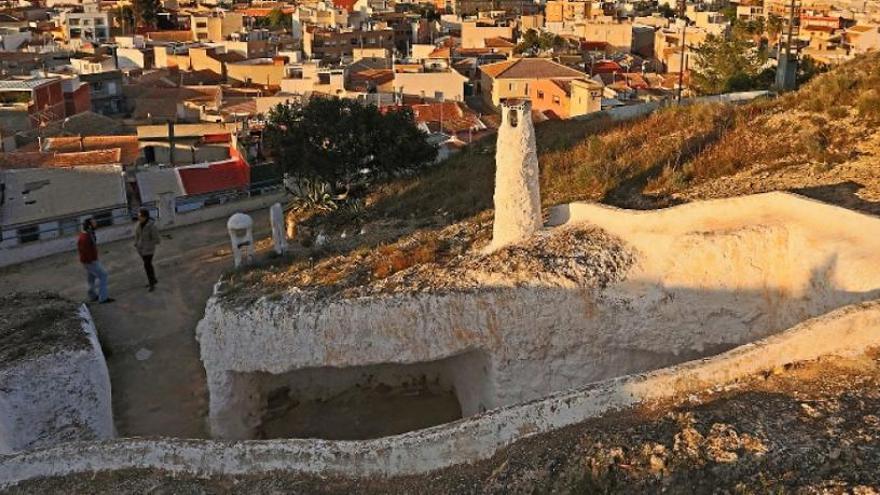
(148, 338)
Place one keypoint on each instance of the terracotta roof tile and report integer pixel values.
(443, 52)
(128, 145)
(454, 117)
(38, 159)
(498, 42)
(530, 68)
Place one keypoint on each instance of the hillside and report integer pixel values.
(821, 141)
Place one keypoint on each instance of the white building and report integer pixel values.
(91, 24)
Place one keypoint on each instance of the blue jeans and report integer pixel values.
(96, 273)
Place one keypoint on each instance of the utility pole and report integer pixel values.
(682, 11)
(786, 66)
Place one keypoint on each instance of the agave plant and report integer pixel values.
(313, 195)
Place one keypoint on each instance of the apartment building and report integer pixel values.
(91, 24)
(216, 27)
(474, 33)
(334, 45)
(567, 10)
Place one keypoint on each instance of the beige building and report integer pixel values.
(527, 22)
(448, 85)
(566, 98)
(617, 34)
(567, 10)
(267, 72)
(667, 46)
(309, 77)
(93, 64)
(515, 79)
(216, 27)
(475, 33)
(863, 38)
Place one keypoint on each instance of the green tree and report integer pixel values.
(278, 19)
(534, 42)
(146, 12)
(729, 13)
(339, 141)
(774, 26)
(666, 11)
(725, 65)
(126, 19)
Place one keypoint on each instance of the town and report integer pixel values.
(160, 97)
(455, 246)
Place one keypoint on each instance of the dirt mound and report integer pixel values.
(37, 324)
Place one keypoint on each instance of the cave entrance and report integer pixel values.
(364, 402)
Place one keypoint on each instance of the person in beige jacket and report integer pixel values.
(146, 238)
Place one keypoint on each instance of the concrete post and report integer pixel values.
(279, 237)
(167, 209)
(241, 235)
(517, 190)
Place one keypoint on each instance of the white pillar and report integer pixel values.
(241, 235)
(517, 189)
(279, 237)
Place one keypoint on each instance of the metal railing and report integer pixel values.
(190, 203)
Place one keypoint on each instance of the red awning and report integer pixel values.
(214, 177)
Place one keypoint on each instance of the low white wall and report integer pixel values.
(41, 249)
(630, 112)
(846, 331)
(56, 398)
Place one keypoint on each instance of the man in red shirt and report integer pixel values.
(87, 246)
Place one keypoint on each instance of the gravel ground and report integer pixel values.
(809, 428)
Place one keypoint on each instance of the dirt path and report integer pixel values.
(148, 338)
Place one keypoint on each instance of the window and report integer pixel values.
(201, 25)
(69, 226)
(73, 22)
(438, 95)
(104, 219)
(556, 100)
(31, 233)
(540, 95)
(99, 22)
(511, 86)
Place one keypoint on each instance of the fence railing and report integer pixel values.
(189, 203)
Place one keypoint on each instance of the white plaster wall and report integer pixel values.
(847, 331)
(708, 277)
(56, 398)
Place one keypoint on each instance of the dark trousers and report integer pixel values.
(148, 267)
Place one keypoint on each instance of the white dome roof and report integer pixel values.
(239, 221)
